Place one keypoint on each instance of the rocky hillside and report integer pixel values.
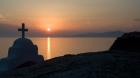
(88, 65)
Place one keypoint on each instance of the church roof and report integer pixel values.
(23, 42)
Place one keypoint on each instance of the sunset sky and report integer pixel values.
(72, 15)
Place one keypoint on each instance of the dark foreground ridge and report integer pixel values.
(88, 65)
(121, 61)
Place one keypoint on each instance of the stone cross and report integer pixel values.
(23, 30)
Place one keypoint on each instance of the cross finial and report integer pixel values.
(23, 30)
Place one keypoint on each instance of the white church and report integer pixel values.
(21, 54)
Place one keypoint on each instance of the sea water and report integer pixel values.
(55, 47)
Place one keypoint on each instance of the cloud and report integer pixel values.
(137, 19)
(1, 16)
(9, 30)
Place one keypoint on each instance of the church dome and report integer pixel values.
(23, 42)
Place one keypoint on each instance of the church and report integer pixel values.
(21, 54)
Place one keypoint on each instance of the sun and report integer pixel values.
(48, 29)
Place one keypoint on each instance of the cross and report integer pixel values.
(23, 30)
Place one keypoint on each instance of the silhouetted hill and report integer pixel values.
(103, 34)
(129, 42)
(88, 34)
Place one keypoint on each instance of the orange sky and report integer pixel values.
(72, 15)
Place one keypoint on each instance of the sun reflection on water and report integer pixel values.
(48, 48)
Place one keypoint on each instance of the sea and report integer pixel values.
(55, 47)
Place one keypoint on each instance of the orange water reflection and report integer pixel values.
(49, 48)
(44, 46)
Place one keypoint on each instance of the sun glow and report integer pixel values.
(48, 29)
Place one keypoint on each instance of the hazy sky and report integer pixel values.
(72, 15)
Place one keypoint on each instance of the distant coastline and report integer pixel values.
(90, 34)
